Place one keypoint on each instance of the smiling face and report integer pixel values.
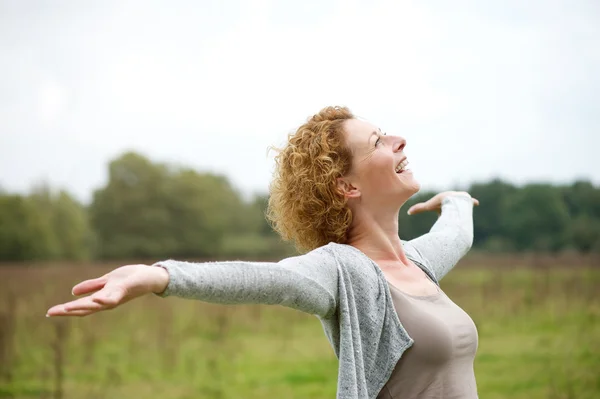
(379, 174)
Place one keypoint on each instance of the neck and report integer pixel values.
(376, 235)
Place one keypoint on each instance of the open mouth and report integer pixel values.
(401, 167)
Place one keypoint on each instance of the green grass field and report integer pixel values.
(539, 337)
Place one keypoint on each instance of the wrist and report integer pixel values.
(160, 279)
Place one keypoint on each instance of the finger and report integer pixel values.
(57, 310)
(475, 202)
(81, 313)
(109, 297)
(413, 209)
(418, 208)
(76, 306)
(89, 286)
(78, 313)
(60, 310)
(86, 303)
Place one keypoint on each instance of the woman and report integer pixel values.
(338, 187)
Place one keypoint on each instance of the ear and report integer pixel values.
(347, 188)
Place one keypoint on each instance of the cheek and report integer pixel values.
(383, 167)
(377, 172)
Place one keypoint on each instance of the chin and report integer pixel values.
(412, 185)
(416, 187)
(409, 190)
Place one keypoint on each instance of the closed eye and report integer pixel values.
(379, 139)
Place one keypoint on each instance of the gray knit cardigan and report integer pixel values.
(344, 288)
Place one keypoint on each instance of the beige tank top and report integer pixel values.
(439, 364)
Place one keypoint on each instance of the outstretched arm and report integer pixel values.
(451, 236)
(307, 283)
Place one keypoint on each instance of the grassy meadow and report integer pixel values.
(538, 320)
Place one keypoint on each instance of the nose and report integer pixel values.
(399, 143)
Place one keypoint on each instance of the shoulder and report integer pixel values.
(352, 261)
(412, 252)
(323, 254)
(347, 254)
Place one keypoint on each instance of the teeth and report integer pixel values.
(401, 166)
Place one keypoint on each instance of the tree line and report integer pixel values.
(150, 210)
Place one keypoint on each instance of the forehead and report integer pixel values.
(359, 133)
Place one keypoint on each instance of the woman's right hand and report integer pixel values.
(113, 289)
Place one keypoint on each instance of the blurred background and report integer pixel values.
(135, 131)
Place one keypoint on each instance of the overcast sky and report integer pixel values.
(480, 89)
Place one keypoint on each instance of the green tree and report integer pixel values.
(71, 237)
(537, 218)
(204, 209)
(256, 238)
(72, 228)
(583, 202)
(259, 206)
(582, 198)
(489, 219)
(25, 233)
(152, 210)
(129, 215)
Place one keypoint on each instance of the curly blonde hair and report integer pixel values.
(305, 203)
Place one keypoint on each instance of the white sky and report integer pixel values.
(480, 89)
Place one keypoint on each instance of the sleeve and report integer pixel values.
(450, 238)
(307, 282)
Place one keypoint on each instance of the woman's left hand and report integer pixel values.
(435, 203)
